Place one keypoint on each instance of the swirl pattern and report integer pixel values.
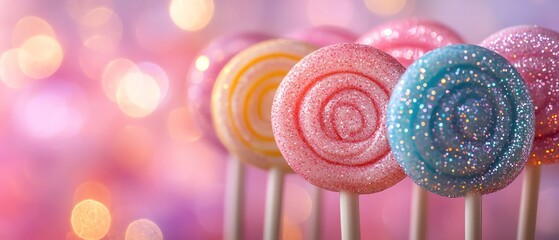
(409, 39)
(328, 118)
(461, 120)
(242, 100)
(534, 52)
(203, 74)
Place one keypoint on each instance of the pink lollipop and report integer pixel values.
(409, 39)
(328, 119)
(534, 52)
(322, 35)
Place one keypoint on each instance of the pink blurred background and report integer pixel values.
(68, 133)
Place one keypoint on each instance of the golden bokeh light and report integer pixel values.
(291, 230)
(28, 27)
(40, 56)
(138, 94)
(90, 220)
(101, 29)
(115, 71)
(202, 63)
(191, 15)
(10, 72)
(93, 190)
(385, 7)
(143, 229)
(181, 127)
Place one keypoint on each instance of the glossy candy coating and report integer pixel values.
(203, 74)
(409, 39)
(534, 52)
(242, 100)
(461, 120)
(328, 118)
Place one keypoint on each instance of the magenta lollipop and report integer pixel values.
(407, 40)
(200, 82)
(534, 51)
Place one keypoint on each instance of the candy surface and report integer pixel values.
(534, 52)
(242, 100)
(409, 39)
(203, 74)
(461, 120)
(323, 35)
(328, 118)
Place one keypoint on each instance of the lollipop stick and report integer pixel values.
(234, 198)
(418, 214)
(473, 216)
(349, 213)
(315, 218)
(529, 204)
(273, 204)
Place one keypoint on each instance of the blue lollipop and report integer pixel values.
(461, 121)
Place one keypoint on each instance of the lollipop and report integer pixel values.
(200, 82)
(407, 40)
(322, 35)
(461, 123)
(328, 120)
(241, 105)
(535, 54)
(203, 74)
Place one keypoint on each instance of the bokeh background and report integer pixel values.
(77, 124)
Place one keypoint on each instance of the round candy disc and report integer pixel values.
(242, 100)
(323, 35)
(328, 117)
(534, 52)
(409, 39)
(203, 74)
(461, 120)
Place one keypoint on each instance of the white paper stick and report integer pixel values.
(349, 214)
(316, 213)
(274, 192)
(529, 203)
(234, 200)
(418, 223)
(473, 216)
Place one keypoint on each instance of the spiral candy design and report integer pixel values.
(409, 39)
(534, 52)
(328, 118)
(242, 100)
(461, 120)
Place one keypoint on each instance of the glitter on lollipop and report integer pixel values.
(534, 52)
(460, 120)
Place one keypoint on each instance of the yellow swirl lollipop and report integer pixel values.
(242, 100)
(241, 111)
